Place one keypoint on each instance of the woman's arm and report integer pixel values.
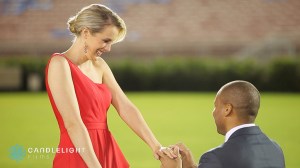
(128, 111)
(62, 89)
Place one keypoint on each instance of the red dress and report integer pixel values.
(94, 100)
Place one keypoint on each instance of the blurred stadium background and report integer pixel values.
(261, 30)
(171, 45)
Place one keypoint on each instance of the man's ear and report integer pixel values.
(228, 109)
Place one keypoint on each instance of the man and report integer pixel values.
(246, 146)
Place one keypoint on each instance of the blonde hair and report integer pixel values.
(96, 17)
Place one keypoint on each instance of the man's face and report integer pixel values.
(218, 116)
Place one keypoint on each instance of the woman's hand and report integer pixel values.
(155, 152)
(170, 152)
(186, 156)
(166, 161)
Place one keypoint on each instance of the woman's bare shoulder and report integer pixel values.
(58, 65)
(59, 72)
(57, 60)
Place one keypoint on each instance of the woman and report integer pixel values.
(81, 87)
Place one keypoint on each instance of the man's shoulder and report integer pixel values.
(215, 149)
(214, 152)
(211, 158)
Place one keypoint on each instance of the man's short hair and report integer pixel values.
(243, 96)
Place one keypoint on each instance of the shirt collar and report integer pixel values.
(232, 130)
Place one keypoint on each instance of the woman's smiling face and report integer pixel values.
(101, 42)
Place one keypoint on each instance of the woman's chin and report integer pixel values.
(98, 53)
(91, 57)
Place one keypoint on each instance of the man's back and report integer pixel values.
(246, 148)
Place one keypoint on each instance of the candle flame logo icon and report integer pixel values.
(17, 152)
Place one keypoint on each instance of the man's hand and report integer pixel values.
(186, 155)
(167, 162)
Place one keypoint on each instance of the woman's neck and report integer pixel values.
(76, 53)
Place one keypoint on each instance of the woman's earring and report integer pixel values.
(85, 48)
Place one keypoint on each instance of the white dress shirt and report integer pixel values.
(232, 130)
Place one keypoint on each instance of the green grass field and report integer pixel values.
(27, 119)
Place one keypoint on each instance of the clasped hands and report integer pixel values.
(176, 156)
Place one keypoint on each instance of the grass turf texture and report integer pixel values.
(27, 119)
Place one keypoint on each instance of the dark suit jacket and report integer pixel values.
(246, 148)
